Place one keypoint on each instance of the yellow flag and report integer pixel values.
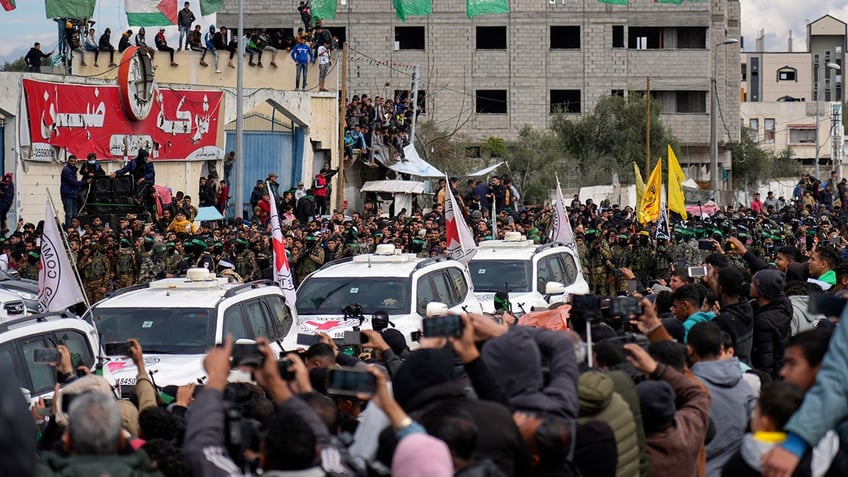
(676, 199)
(640, 184)
(649, 207)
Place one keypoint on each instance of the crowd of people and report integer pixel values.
(377, 129)
(730, 367)
(312, 43)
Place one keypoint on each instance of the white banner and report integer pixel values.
(57, 284)
(460, 241)
(282, 269)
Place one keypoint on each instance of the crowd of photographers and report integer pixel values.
(722, 355)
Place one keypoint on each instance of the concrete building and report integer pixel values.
(300, 136)
(497, 73)
(779, 90)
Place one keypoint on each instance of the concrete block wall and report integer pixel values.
(452, 69)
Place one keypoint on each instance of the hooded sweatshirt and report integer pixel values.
(737, 320)
(598, 401)
(732, 403)
(771, 330)
(523, 382)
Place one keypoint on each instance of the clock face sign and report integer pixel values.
(137, 83)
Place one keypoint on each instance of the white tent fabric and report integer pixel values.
(394, 187)
(484, 171)
(412, 164)
(205, 214)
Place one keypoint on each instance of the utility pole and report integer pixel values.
(415, 77)
(648, 128)
(342, 109)
(239, 185)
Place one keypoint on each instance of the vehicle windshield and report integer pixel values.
(159, 330)
(331, 295)
(493, 276)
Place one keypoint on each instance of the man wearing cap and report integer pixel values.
(310, 257)
(300, 192)
(771, 321)
(245, 261)
(162, 44)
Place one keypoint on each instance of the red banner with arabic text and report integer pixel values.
(78, 119)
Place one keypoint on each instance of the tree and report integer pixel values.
(17, 65)
(612, 136)
(532, 160)
(753, 165)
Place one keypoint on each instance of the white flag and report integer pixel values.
(57, 283)
(460, 241)
(562, 226)
(282, 269)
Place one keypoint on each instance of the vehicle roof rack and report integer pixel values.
(336, 262)
(128, 289)
(429, 261)
(246, 287)
(7, 324)
(549, 245)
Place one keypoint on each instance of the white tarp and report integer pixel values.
(394, 187)
(485, 171)
(412, 164)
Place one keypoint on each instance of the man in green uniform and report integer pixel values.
(126, 265)
(95, 269)
(309, 259)
(245, 261)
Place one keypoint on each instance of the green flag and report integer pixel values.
(69, 8)
(676, 2)
(614, 2)
(409, 8)
(208, 7)
(323, 9)
(483, 7)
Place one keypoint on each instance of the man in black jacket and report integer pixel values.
(771, 321)
(34, 56)
(736, 316)
(426, 379)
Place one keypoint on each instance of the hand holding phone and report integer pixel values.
(449, 326)
(247, 355)
(117, 349)
(46, 355)
(347, 382)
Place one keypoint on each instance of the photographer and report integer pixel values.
(295, 434)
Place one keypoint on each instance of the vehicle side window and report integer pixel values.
(556, 269)
(570, 269)
(258, 318)
(280, 314)
(424, 294)
(234, 323)
(444, 290)
(459, 282)
(42, 376)
(77, 344)
(542, 274)
(7, 363)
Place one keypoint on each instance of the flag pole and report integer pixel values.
(66, 244)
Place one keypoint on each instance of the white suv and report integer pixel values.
(399, 283)
(20, 336)
(177, 320)
(529, 272)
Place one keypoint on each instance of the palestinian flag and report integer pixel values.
(151, 12)
(8, 5)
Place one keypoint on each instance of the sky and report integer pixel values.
(779, 17)
(28, 23)
(20, 28)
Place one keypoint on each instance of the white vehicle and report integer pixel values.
(22, 335)
(177, 320)
(399, 283)
(534, 275)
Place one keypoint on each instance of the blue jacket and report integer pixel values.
(71, 186)
(149, 171)
(732, 403)
(824, 407)
(301, 54)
